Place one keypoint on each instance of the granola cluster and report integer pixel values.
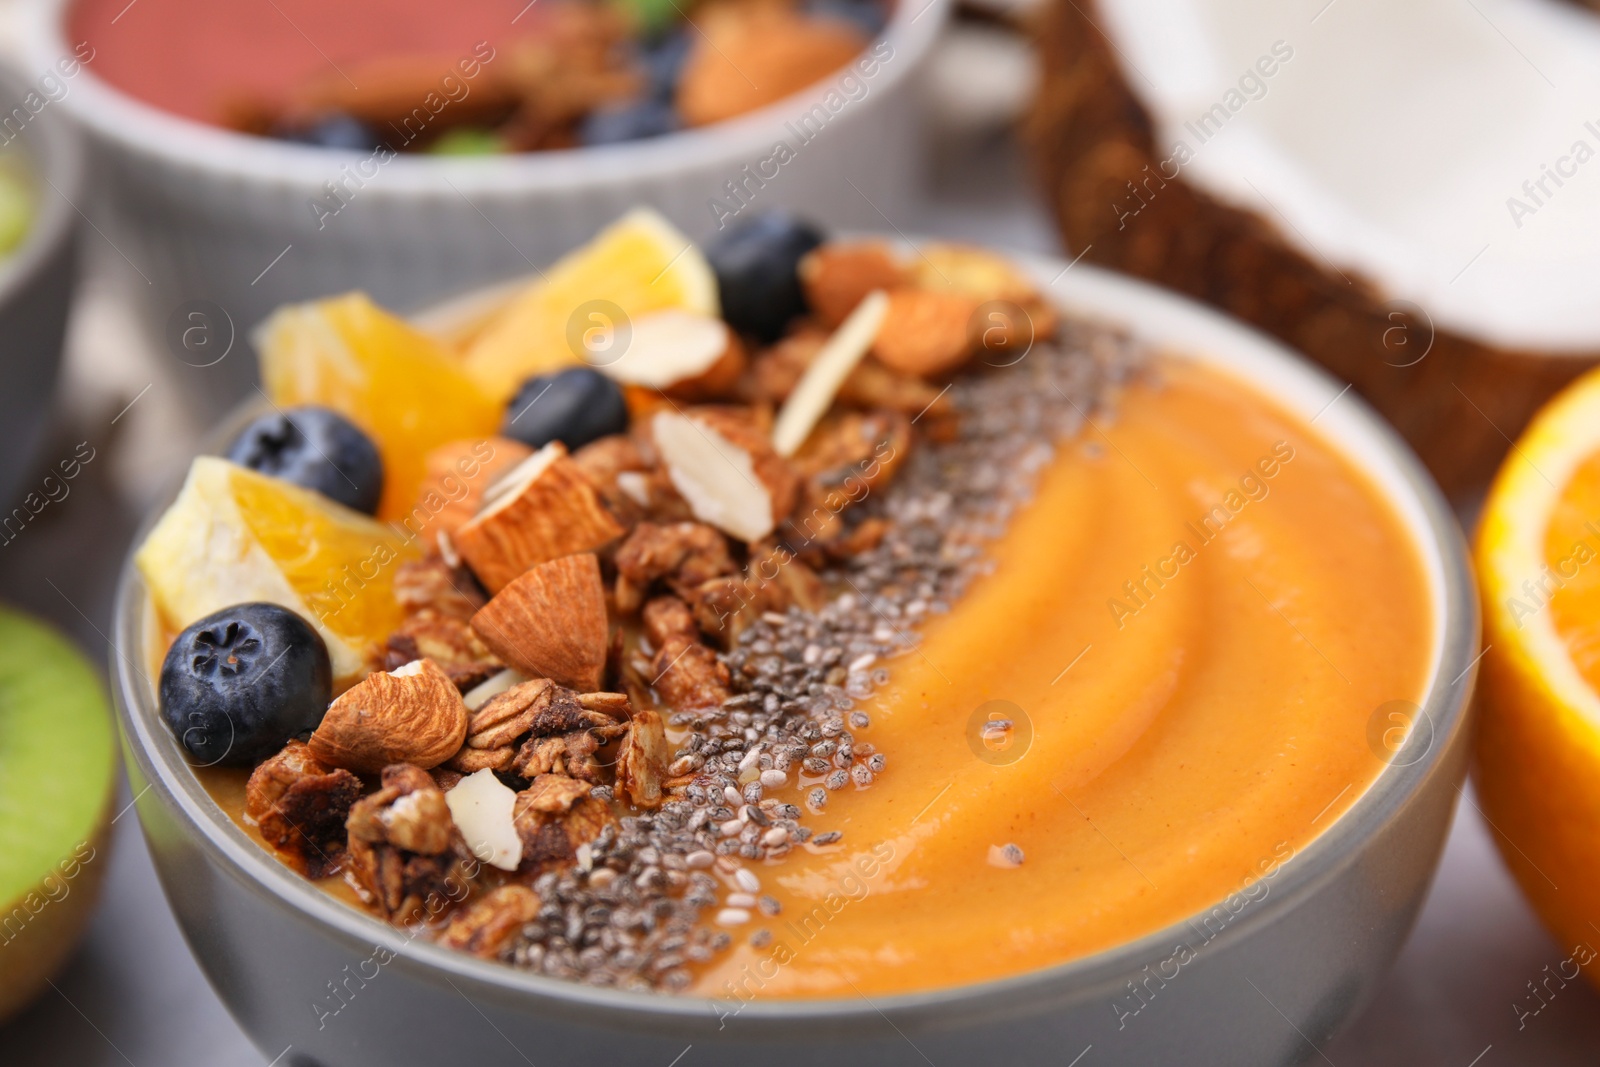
(634, 672)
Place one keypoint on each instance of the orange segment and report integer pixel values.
(638, 264)
(1538, 741)
(398, 384)
(234, 536)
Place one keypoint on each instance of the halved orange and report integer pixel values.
(234, 536)
(1538, 744)
(401, 386)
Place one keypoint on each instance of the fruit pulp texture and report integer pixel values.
(1169, 754)
(344, 573)
(1184, 746)
(195, 57)
(1571, 547)
(397, 384)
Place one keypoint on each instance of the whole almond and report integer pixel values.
(543, 509)
(927, 333)
(837, 276)
(550, 622)
(456, 477)
(411, 715)
(747, 56)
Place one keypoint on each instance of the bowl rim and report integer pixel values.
(1088, 292)
(146, 130)
(54, 158)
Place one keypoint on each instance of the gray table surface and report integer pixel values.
(134, 996)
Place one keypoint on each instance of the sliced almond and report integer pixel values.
(481, 807)
(550, 622)
(814, 393)
(680, 353)
(543, 509)
(410, 715)
(727, 472)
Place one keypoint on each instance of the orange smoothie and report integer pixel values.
(1190, 627)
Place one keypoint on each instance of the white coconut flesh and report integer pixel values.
(1448, 151)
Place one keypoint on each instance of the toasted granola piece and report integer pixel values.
(871, 386)
(863, 537)
(687, 553)
(686, 673)
(563, 729)
(446, 778)
(850, 448)
(409, 812)
(875, 387)
(509, 715)
(553, 794)
(391, 87)
(543, 709)
(300, 805)
(484, 926)
(447, 640)
(405, 852)
(775, 579)
(569, 754)
(576, 63)
(551, 838)
(613, 705)
(472, 760)
(620, 470)
(433, 586)
(642, 765)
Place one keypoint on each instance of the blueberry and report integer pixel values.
(867, 16)
(337, 130)
(757, 266)
(316, 448)
(663, 63)
(573, 406)
(238, 684)
(633, 121)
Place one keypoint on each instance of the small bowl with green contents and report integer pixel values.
(41, 174)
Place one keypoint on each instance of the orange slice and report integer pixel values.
(234, 536)
(1538, 744)
(401, 386)
(581, 308)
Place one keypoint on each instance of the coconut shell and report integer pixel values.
(1459, 406)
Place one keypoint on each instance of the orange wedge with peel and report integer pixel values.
(1538, 745)
(580, 309)
(402, 386)
(234, 536)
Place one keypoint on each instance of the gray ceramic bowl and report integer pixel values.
(1288, 971)
(36, 281)
(208, 214)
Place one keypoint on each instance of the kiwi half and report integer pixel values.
(57, 774)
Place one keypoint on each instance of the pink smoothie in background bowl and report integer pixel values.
(257, 152)
(480, 76)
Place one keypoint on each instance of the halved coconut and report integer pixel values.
(1408, 192)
